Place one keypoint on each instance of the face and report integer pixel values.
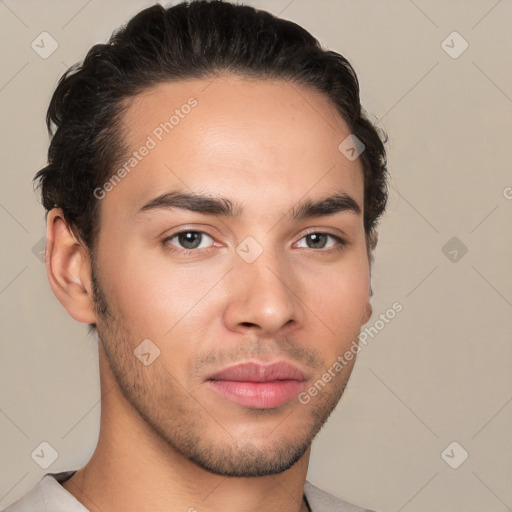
(221, 247)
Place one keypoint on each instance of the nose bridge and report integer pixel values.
(262, 293)
(268, 275)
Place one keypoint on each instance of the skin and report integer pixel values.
(167, 440)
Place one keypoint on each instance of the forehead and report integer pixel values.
(236, 136)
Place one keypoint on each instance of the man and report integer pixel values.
(213, 190)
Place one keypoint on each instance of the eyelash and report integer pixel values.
(341, 245)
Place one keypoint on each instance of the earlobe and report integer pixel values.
(68, 268)
(368, 312)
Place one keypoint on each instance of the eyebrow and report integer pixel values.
(331, 205)
(218, 206)
(223, 207)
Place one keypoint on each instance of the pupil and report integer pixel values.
(190, 239)
(317, 240)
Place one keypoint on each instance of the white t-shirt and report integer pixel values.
(48, 495)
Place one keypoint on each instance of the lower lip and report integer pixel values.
(258, 395)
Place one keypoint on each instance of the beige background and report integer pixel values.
(438, 372)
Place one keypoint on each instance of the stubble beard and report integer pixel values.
(179, 420)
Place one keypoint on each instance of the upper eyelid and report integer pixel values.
(189, 230)
(341, 239)
(323, 232)
(174, 235)
(309, 232)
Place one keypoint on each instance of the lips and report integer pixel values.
(253, 372)
(259, 386)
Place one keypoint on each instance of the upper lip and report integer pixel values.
(255, 372)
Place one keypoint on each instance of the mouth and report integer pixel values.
(259, 386)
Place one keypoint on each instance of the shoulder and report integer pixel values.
(49, 494)
(321, 501)
(46, 495)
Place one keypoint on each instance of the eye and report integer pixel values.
(321, 241)
(190, 240)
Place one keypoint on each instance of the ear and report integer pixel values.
(68, 268)
(368, 311)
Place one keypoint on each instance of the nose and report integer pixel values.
(263, 298)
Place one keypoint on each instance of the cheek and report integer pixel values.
(339, 297)
(151, 294)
